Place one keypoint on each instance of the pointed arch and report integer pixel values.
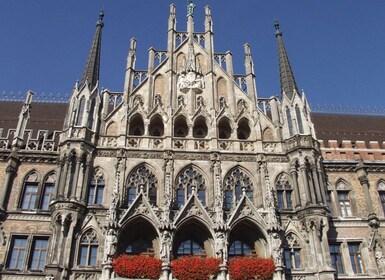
(141, 177)
(234, 181)
(243, 130)
(224, 128)
(156, 127)
(268, 135)
(193, 237)
(188, 178)
(293, 251)
(112, 129)
(29, 198)
(136, 126)
(180, 126)
(222, 87)
(143, 240)
(247, 238)
(200, 129)
(88, 248)
(95, 194)
(284, 190)
(47, 190)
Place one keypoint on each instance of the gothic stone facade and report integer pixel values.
(188, 160)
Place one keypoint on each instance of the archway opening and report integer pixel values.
(224, 129)
(243, 131)
(180, 127)
(156, 127)
(136, 126)
(200, 128)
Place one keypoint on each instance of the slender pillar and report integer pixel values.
(302, 168)
(294, 176)
(63, 177)
(9, 174)
(85, 181)
(75, 178)
(316, 185)
(59, 172)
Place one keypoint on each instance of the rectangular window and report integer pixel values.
(228, 200)
(29, 197)
(38, 254)
(281, 203)
(18, 252)
(344, 202)
(382, 198)
(355, 257)
(292, 258)
(287, 255)
(336, 256)
(289, 204)
(48, 192)
(180, 197)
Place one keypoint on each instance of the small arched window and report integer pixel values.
(80, 112)
(284, 192)
(381, 193)
(224, 129)
(30, 192)
(142, 178)
(180, 127)
(96, 189)
(88, 249)
(344, 195)
(136, 126)
(243, 130)
(292, 252)
(156, 127)
(289, 121)
(200, 128)
(48, 188)
(188, 179)
(236, 182)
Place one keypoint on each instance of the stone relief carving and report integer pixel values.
(380, 258)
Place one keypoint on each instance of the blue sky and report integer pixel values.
(336, 48)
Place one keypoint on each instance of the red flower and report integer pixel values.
(195, 268)
(245, 268)
(137, 267)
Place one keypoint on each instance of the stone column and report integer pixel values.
(294, 176)
(83, 194)
(75, 178)
(9, 174)
(316, 185)
(59, 172)
(362, 177)
(302, 168)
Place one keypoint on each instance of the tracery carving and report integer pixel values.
(142, 177)
(238, 178)
(190, 178)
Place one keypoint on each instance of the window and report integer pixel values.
(18, 252)
(292, 249)
(355, 257)
(96, 189)
(344, 203)
(37, 195)
(188, 179)
(142, 179)
(299, 119)
(336, 257)
(138, 246)
(284, 192)
(235, 182)
(22, 253)
(88, 249)
(381, 193)
(80, 113)
(289, 121)
(189, 247)
(38, 254)
(239, 248)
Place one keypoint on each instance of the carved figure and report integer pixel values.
(277, 251)
(165, 246)
(380, 259)
(220, 246)
(111, 242)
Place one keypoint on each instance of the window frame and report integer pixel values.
(88, 246)
(234, 187)
(355, 257)
(337, 258)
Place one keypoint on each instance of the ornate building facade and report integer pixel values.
(188, 160)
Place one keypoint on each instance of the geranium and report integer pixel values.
(246, 268)
(137, 267)
(195, 268)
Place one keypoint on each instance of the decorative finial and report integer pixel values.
(100, 21)
(277, 30)
(190, 8)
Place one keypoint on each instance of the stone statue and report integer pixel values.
(111, 243)
(165, 246)
(380, 259)
(220, 246)
(190, 8)
(276, 250)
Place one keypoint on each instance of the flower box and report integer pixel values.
(246, 268)
(137, 266)
(195, 268)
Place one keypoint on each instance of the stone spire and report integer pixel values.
(288, 85)
(91, 71)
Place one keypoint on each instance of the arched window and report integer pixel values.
(136, 126)
(188, 179)
(190, 247)
(180, 127)
(289, 121)
(88, 249)
(156, 127)
(142, 178)
(344, 198)
(224, 129)
(243, 131)
(138, 246)
(96, 188)
(30, 192)
(200, 128)
(48, 188)
(80, 113)
(292, 252)
(299, 119)
(239, 248)
(235, 182)
(284, 192)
